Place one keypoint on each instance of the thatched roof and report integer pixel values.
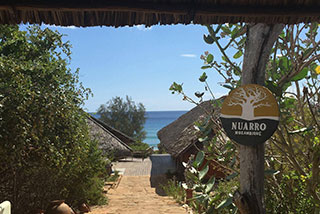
(123, 137)
(179, 135)
(108, 142)
(152, 12)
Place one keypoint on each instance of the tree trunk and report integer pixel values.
(260, 40)
(247, 111)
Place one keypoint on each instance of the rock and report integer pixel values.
(58, 207)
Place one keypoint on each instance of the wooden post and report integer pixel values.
(260, 40)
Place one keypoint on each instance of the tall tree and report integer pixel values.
(124, 115)
(293, 151)
(292, 61)
(45, 150)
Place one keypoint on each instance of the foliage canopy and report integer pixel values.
(45, 149)
(292, 75)
(124, 115)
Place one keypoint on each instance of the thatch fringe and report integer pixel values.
(152, 12)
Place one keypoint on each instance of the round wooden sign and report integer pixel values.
(250, 114)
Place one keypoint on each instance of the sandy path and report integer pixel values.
(134, 195)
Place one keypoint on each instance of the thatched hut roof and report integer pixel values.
(123, 137)
(152, 12)
(108, 142)
(179, 135)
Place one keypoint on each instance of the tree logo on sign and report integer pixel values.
(250, 114)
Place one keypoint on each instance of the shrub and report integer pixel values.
(174, 189)
(45, 149)
(124, 115)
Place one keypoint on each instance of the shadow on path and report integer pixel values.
(156, 166)
(161, 164)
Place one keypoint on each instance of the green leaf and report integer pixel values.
(273, 87)
(237, 71)
(307, 52)
(226, 29)
(209, 58)
(305, 129)
(233, 161)
(201, 140)
(228, 87)
(232, 176)
(191, 175)
(210, 184)
(203, 172)
(271, 172)
(301, 75)
(199, 159)
(242, 41)
(284, 64)
(224, 58)
(199, 94)
(211, 209)
(203, 77)
(206, 67)
(234, 210)
(288, 102)
(175, 87)
(282, 35)
(314, 27)
(225, 203)
(208, 39)
(238, 55)
(235, 32)
(216, 198)
(286, 86)
(200, 199)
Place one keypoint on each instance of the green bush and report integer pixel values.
(113, 177)
(45, 149)
(289, 196)
(209, 195)
(293, 77)
(174, 189)
(139, 146)
(124, 115)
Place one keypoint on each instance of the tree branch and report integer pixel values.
(221, 49)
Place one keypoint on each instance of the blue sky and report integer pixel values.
(141, 62)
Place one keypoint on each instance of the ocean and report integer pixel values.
(156, 120)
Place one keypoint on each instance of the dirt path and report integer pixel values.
(134, 195)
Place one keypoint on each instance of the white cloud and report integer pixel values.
(143, 27)
(189, 55)
(65, 27)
